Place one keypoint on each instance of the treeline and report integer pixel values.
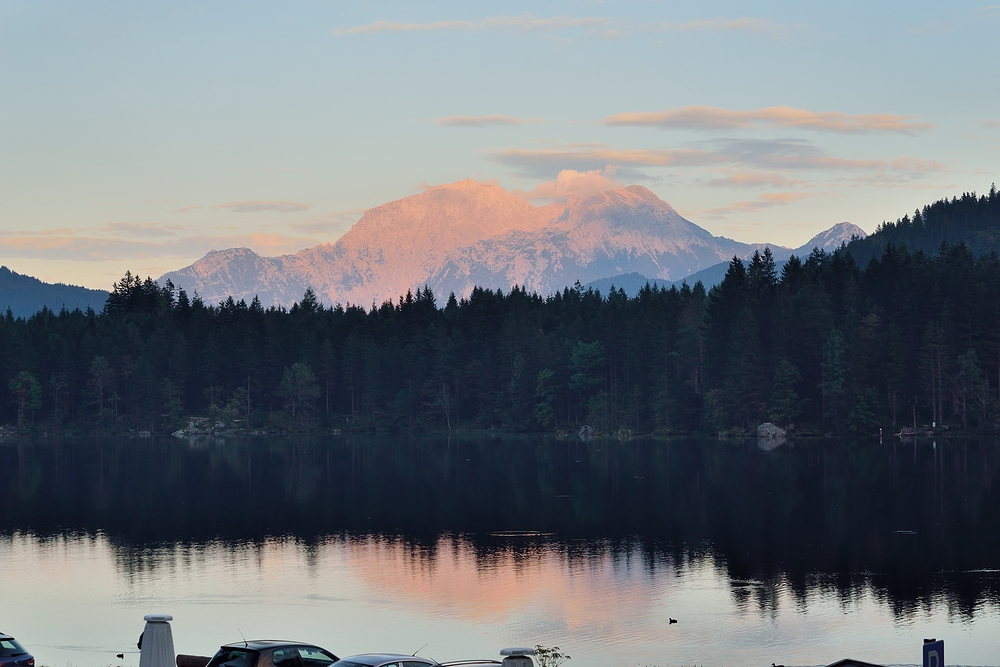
(969, 219)
(910, 339)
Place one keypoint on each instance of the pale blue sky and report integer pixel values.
(141, 135)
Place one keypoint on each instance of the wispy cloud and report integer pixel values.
(264, 206)
(571, 183)
(587, 157)
(766, 200)
(96, 245)
(329, 224)
(976, 16)
(512, 23)
(485, 121)
(752, 180)
(990, 123)
(749, 25)
(140, 229)
(778, 154)
(185, 209)
(707, 118)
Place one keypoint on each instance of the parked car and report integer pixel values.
(13, 654)
(271, 653)
(385, 660)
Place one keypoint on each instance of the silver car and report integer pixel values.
(513, 657)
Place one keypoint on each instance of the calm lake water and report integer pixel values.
(802, 555)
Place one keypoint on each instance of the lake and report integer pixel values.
(802, 555)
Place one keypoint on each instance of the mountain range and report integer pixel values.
(457, 236)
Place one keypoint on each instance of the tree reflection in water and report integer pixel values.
(917, 523)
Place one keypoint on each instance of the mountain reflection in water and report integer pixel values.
(524, 538)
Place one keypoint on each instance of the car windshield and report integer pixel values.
(10, 648)
(313, 656)
(234, 657)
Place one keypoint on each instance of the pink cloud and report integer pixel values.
(701, 118)
(571, 183)
(766, 200)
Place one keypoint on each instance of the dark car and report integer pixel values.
(271, 653)
(13, 654)
(386, 660)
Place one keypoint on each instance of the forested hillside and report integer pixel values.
(969, 219)
(823, 345)
(911, 338)
(25, 295)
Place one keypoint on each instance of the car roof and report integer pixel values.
(5, 636)
(374, 659)
(260, 644)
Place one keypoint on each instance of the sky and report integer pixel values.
(140, 135)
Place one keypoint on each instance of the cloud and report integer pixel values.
(95, 246)
(185, 209)
(748, 25)
(335, 223)
(264, 206)
(783, 154)
(705, 118)
(978, 17)
(752, 180)
(571, 183)
(766, 200)
(607, 33)
(484, 121)
(142, 230)
(587, 157)
(515, 23)
(990, 123)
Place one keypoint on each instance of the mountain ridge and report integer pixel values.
(456, 236)
(828, 240)
(25, 295)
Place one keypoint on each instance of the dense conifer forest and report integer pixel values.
(911, 337)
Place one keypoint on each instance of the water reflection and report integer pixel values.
(813, 547)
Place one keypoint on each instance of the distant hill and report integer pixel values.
(969, 219)
(25, 295)
(831, 239)
(630, 282)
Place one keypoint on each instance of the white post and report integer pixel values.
(157, 642)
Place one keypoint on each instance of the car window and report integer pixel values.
(10, 648)
(315, 657)
(232, 657)
(285, 657)
(415, 663)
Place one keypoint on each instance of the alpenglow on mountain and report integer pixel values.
(466, 234)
